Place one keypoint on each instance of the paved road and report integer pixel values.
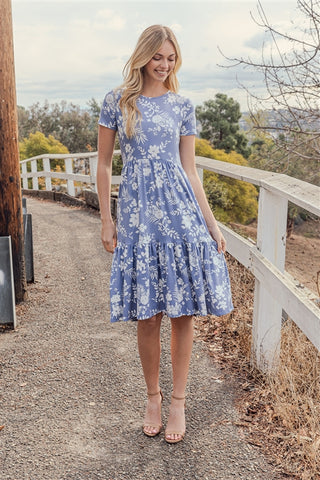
(71, 386)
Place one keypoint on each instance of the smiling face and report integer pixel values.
(161, 64)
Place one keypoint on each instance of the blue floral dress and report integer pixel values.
(165, 259)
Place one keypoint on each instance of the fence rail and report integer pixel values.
(275, 289)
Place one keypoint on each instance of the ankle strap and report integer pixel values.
(153, 394)
(178, 398)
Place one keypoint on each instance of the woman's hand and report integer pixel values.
(216, 234)
(109, 235)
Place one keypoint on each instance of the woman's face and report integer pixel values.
(162, 63)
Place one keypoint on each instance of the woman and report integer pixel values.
(167, 247)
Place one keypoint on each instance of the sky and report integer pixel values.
(75, 50)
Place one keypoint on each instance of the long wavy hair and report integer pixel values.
(148, 44)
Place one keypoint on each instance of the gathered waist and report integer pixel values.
(145, 160)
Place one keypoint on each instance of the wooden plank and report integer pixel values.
(93, 172)
(272, 227)
(47, 169)
(266, 328)
(294, 300)
(60, 156)
(238, 246)
(68, 162)
(115, 180)
(24, 176)
(34, 169)
(200, 173)
(267, 313)
(77, 177)
(301, 193)
(240, 172)
(53, 156)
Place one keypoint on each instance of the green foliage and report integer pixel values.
(231, 200)
(94, 109)
(72, 127)
(117, 163)
(219, 120)
(68, 123)
(38, 144)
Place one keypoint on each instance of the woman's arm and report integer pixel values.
(187, 148)
(106, 140)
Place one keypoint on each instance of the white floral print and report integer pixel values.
(165, 259)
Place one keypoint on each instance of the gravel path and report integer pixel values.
(72, 391)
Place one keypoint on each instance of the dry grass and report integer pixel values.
(280, 413)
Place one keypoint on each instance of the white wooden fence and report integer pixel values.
(275, 289)
(81, 167)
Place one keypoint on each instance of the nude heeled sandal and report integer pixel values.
(181, 434)
(158, 427)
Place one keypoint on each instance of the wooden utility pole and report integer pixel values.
(11, 222)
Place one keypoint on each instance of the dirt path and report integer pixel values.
(72, 392)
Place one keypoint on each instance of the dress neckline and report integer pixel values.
(159, 96)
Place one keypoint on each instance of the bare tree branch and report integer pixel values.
(290, 65)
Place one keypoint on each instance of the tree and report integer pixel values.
(219, 120)
(38, 144)
(75, 128)
(231, 200)
(290, 70)
(23, 119)
(94, 110)
(270, 154)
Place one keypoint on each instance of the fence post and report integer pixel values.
(200, 173)
(93, 162)
(267, 313)
(69, 170)
(24, 179)
(47, 169)
(34, 169)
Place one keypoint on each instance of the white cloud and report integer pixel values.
(106, 13)
(110, 20)
(63, 52)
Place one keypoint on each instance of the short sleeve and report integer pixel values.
(188, 126)
(108, 116)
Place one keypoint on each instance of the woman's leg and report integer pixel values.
(181, 348)
(149, 351)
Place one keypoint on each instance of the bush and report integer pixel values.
(231, 200)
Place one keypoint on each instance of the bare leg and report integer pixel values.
(181, 348)
(149, 351)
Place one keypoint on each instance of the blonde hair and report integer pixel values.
(148, 44)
